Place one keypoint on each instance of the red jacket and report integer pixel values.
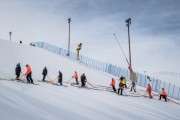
(75, 75)
(113, 83)
(163, 92)
(149, 89)
(28, 70)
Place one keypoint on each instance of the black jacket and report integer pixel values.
(18, 70)
(44, 71)
(60, 76)
(83, 78)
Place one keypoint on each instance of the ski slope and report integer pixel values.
(19, 101)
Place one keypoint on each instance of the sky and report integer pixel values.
(154, 31)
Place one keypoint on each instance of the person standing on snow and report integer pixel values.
(149, 89)
(28, 74)
(60, 78)
(76, 77)
(133, 86)
(124, 82)
(121, 86)
(113, 84)
(163, 94)
(18, 71)
(44, 73)
(83, 80)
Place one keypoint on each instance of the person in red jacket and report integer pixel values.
(163, 94)
(149, 89)
(76, 77)
(113, 84)
(28, 74)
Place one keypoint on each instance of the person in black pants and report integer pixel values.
(44, 73)
(28, 74)
(18, 71)
(83, 80)
(163, 94)
(133, 86)
(113, 84)
(121, 86)
(60, 78)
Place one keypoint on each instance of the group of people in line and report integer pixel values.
(122, 86)
(122, 83)
(44, 73)
(163, 93)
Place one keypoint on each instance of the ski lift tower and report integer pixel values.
(128, 21)
(69, 21)
(133, 76)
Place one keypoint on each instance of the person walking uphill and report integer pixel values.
(28, 74)
(113, 84)
(18, 71)
(60, 78)
(44, 73)
(149, 89)
(83, 80)
(76, 77)
(163, 94)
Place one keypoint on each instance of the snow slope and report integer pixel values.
(13, 53)
(19, 101)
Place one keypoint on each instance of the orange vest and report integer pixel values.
(149, 88)
(113, 82)
(75, 75)
(163, 92)
(28, 70)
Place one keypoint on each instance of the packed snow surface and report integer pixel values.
(19, 101)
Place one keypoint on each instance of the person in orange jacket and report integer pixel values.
(113, 84)
(163, 94)
(149, 89)
(76, 77)
(28, 74)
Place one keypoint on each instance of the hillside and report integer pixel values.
(19, 101)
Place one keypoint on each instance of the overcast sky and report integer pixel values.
(155, 28)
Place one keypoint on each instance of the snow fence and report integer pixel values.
(172, 90)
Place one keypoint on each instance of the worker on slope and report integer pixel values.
(18, 71)
(28, 74)
(76, 77)
(83, 80)
(123, 79)
(44, 73)
(78, 50)
(149, 90)
(113, 84)
(163, 94)
(60, 78)
(133, 86)
(121, 86)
